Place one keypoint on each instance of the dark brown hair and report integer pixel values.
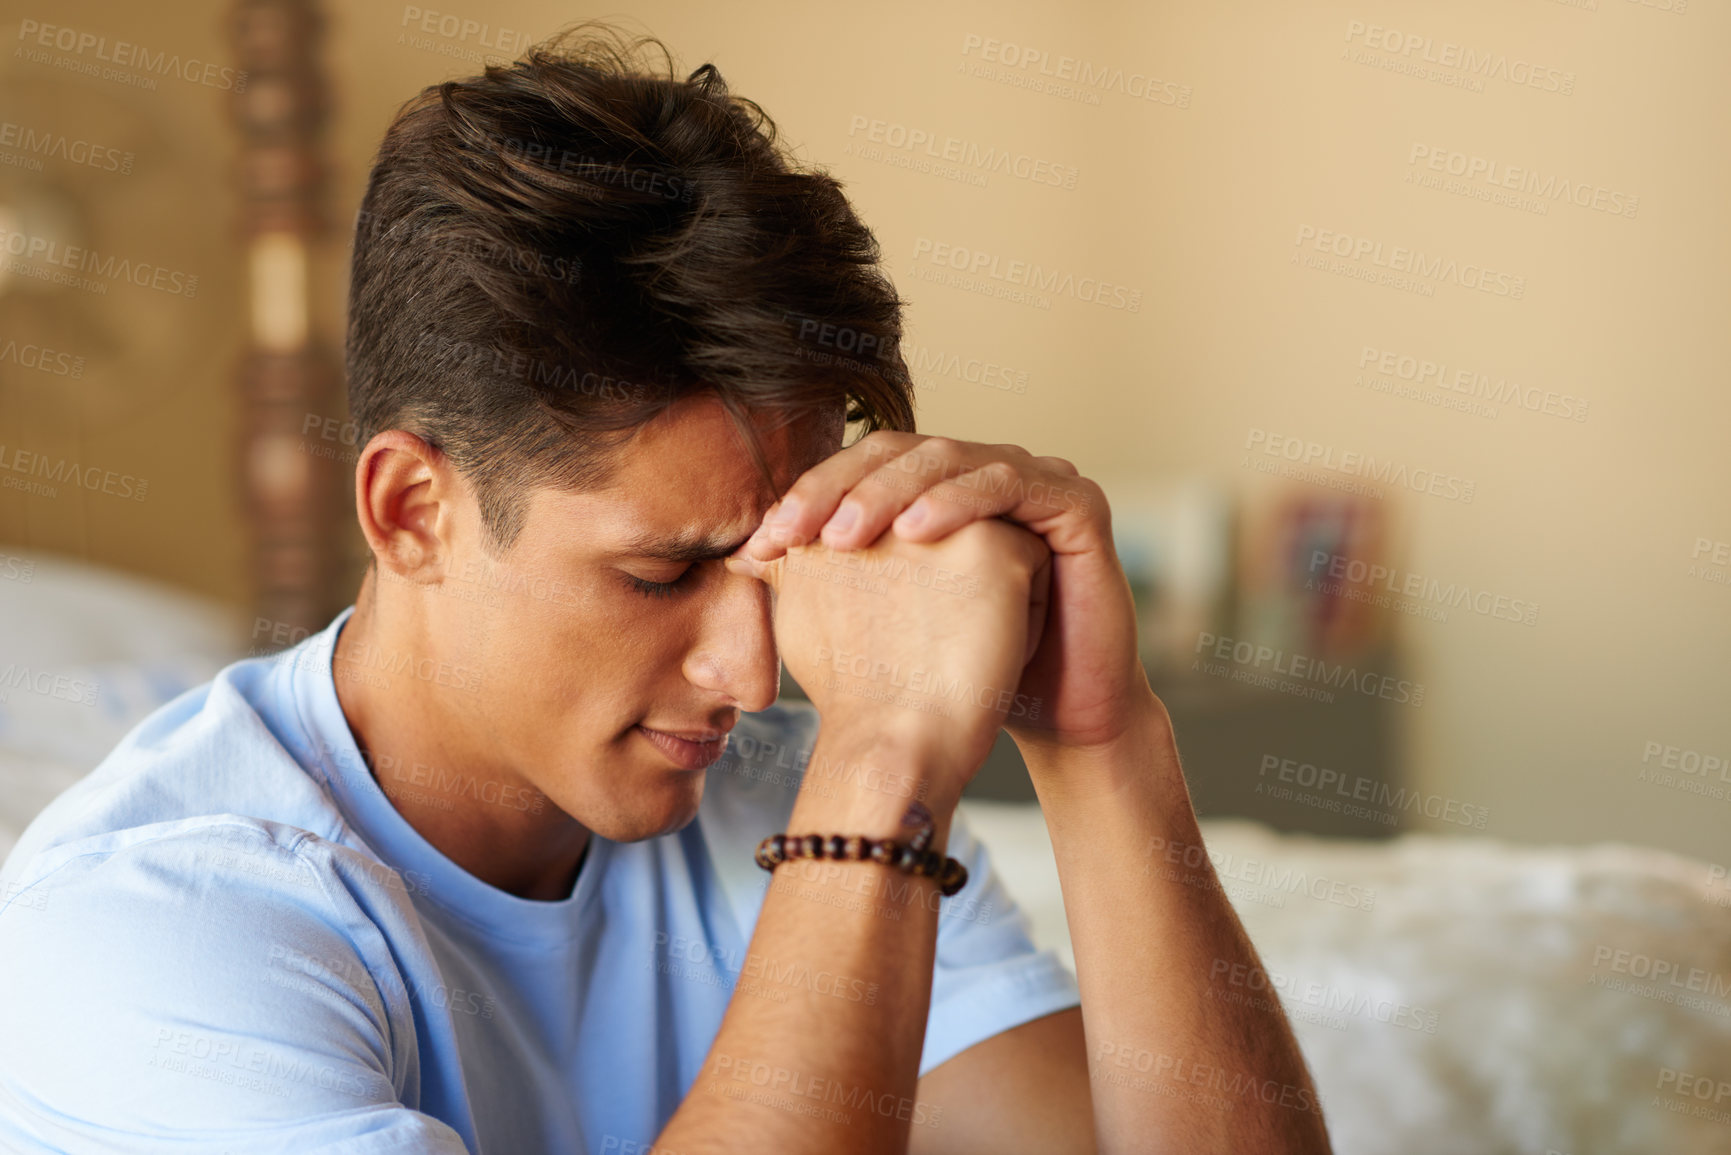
(550, 254)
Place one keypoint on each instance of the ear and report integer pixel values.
(406, 495)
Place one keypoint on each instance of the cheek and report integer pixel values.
(650, 635)
(601, 658)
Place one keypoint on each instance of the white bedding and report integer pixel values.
(1460, 1013)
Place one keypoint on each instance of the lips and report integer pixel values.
(687, 749)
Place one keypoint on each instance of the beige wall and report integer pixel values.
(151, 398)
(1283, 127)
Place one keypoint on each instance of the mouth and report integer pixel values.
(687, 749)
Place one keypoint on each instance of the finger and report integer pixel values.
(768, 572)
(811, 500)
(1034, 498)
(880, 497)
(1058, 465)
(867, 509)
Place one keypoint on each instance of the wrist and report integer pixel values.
(863, 782)
(1143, 754)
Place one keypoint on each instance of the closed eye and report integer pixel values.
(694, 553)
(652, 589)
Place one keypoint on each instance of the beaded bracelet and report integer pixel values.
(913, 857)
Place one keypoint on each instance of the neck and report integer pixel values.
(433, 759)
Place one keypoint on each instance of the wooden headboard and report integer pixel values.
(295, 502)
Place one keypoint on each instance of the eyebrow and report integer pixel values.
(684, 547)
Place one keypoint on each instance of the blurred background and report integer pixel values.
(1395, 330)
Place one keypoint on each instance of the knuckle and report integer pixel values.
(884, 443)
(804, 489)
(980, 533)
(1005, 543)
(1092, 495)
(877, 488)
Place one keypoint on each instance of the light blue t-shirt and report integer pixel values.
(226, 939)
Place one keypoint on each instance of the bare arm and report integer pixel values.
(1022, 1092)
(1157, 1059)
(817, 1072)
(1168, 1056)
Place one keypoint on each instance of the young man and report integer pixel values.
(472, 869)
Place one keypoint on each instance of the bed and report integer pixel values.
(1452, 995)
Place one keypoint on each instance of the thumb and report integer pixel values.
(768, 572)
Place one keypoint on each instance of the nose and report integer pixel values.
(735, 653)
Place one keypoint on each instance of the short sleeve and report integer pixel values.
(989, 976)
(200, 990)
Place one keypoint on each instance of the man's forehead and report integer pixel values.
(815, 442)
(698, 437)
(691, 491)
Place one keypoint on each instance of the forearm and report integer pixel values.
(1151, 928)
(831, 1066)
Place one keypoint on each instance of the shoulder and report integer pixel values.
(188, 890)
(217, 749)
(164, 960)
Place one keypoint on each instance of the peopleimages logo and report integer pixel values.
(1481, 65)
(124, 54)
(1233, 1086)
(1497, 176)
(1348, 571)
(1427, 267)
(925, 362)
(1068, 76)
(450, 26)
(1304, 668)
(1696, 980)
(1422, 371)
(65, 687)
(94, 478)
(58, 146)
(42, 359)
(955, 150)
(980, 266)
(1717, 566)
(1358, 788)
(929, 682)
(1325, 996)
(1351, 463)
(56, 255)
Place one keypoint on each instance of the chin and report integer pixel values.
(670, 808)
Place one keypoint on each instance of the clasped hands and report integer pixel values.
(936, 591)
